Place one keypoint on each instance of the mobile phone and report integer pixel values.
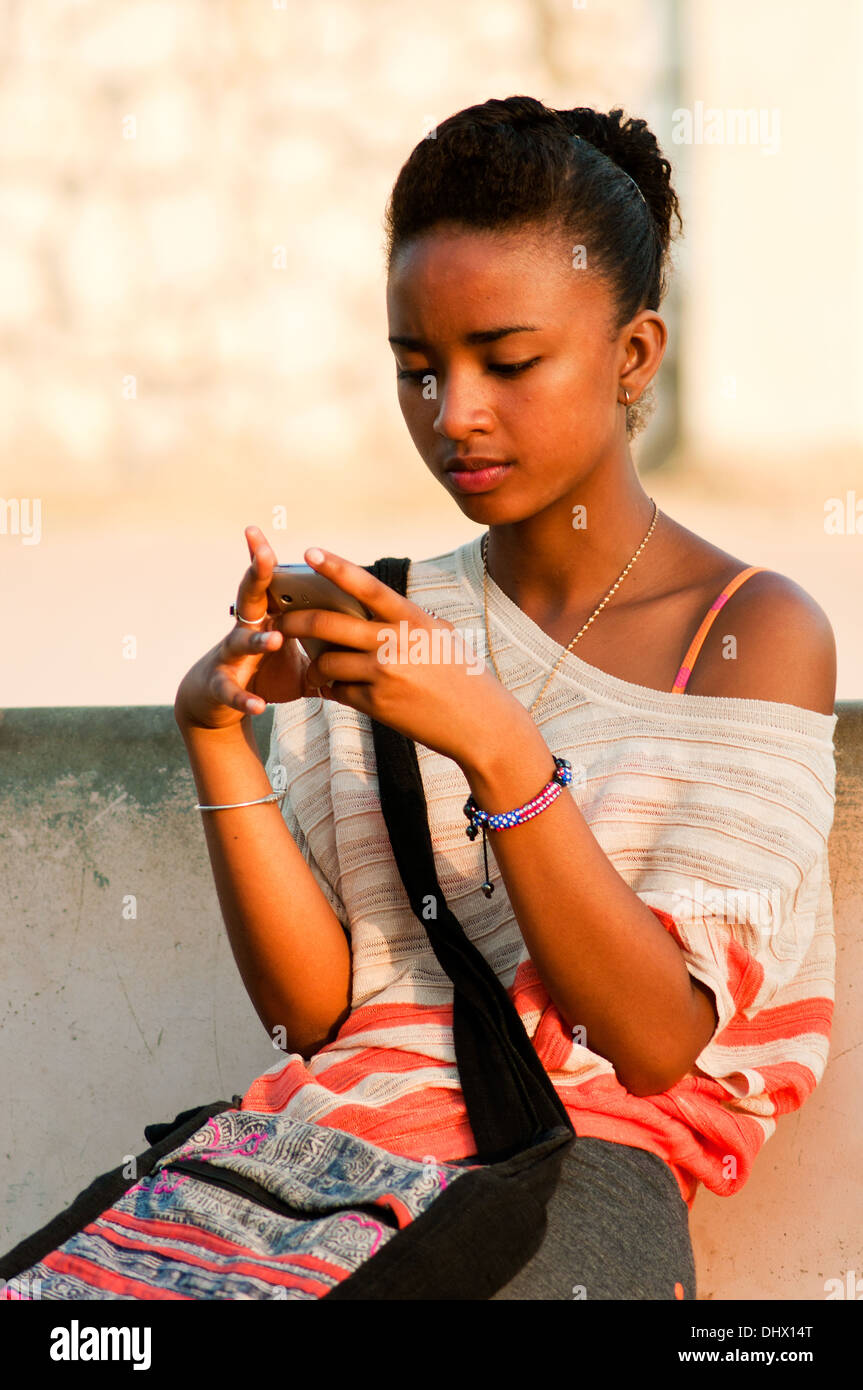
(299, 586)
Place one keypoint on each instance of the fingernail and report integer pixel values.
(314, 555)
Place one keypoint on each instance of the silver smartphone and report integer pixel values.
(299, 586)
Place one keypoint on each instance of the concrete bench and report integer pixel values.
(124, 1005)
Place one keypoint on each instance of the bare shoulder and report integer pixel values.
(790, 643)
(769, 641)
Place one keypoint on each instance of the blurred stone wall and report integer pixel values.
(191, 198)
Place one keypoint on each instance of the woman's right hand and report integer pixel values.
(252, 666)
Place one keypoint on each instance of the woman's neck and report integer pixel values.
(549, 567)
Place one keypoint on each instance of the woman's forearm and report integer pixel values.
(606, 960)
(290, 948)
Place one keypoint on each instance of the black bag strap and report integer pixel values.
(511, 1102)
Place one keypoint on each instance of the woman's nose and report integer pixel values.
(462, 407)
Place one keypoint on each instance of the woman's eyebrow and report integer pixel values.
(483, 335)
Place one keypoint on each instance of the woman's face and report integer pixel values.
(552, 421)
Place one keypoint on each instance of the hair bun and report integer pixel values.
(630, 143)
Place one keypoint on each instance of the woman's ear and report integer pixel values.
(642, 346)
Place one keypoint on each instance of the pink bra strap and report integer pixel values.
(695, 646)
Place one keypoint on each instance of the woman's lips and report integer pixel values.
(478, 479)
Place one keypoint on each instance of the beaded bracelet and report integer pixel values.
(502, 820)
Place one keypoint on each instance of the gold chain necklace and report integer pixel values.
(581, 630)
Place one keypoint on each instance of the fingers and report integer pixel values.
(341, 666)
(341, 629)
(382, 601)
(251, 601)
(248, 641)
(226, 691)
(239, 645)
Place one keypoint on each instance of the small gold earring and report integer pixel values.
(626, 394)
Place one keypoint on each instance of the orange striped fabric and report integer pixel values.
(716, 811)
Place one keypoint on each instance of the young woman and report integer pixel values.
(664, 925)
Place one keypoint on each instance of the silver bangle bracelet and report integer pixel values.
(232, 805)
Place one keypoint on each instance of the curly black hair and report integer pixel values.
(508, 164)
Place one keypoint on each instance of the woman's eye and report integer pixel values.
(505, 369)
(510, 368)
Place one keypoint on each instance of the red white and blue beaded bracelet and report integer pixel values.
(502, 820)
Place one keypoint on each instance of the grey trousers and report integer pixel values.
(618, 1228)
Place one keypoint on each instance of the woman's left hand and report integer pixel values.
(418, 674)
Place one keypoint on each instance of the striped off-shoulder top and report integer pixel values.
(715, 810)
